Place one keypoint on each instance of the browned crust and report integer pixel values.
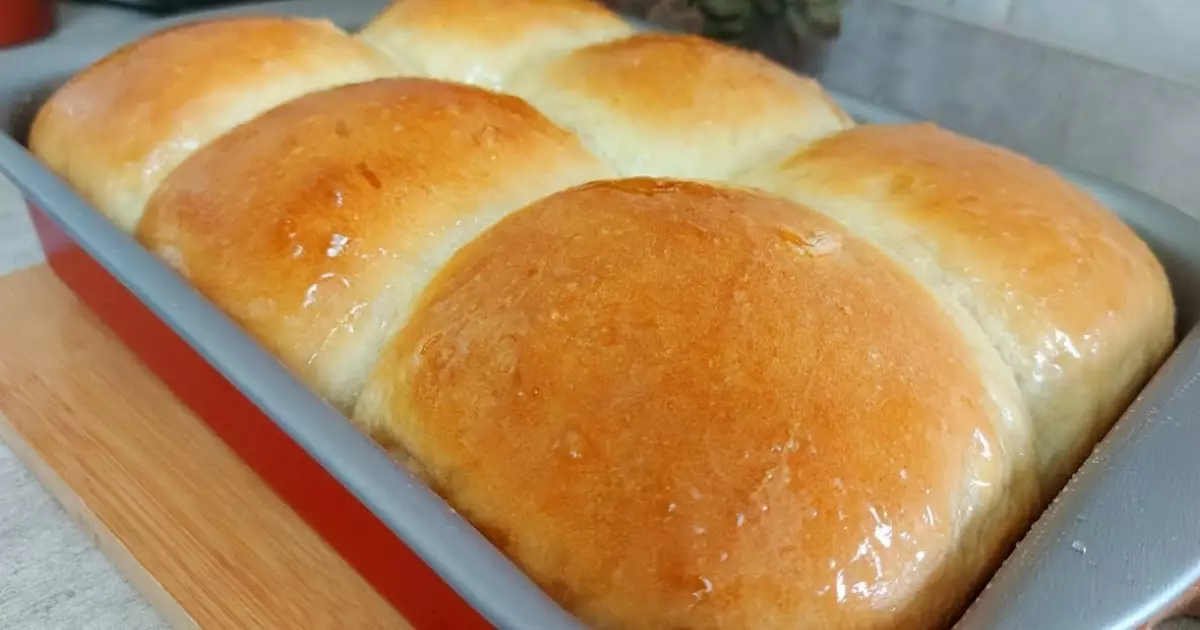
(116, 129)
(678, 406)
(313, 230)
(1074, 300)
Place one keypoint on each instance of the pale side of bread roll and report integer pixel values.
(1075, 302)
(316, 224)
(482, 42)
(119, 127)
(680, 106)
(681, 406)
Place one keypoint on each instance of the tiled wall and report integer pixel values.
(1109, 97)
(1159, 37)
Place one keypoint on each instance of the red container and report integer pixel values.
(363, 540)
(23, 21)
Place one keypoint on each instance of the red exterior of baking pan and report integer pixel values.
(365, 542)
(23, 21)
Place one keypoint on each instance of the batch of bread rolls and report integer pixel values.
(653, 313)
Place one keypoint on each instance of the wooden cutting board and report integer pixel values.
(192, 527)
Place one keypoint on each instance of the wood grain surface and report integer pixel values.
(190, 525)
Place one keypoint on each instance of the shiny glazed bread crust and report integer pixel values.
(119, 127)
(1075, 302)
(483, 42)
(344, 206)
(675, 404)
(680, 406)
(680, 106)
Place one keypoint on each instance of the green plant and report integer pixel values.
(731, 19)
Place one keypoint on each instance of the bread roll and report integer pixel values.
(482, 42)
(828, 386)
(1070, 296)
(680, 106)
(681, 406)
(315, 224)
(119, 127)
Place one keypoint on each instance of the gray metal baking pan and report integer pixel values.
(1118, 546)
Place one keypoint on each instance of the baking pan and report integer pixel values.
(1117, 547)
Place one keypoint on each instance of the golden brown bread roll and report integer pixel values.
(119, 127)
(680, 406)
(482, 42)
(315, 224)
(680, 106)
(1075, 302)
(674, 404)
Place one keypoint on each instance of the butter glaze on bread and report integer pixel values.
(315, 224)
(680, 106)
(119, 127)
(1070, 296)
(680, 406)
(797, 395)
(482, 42)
